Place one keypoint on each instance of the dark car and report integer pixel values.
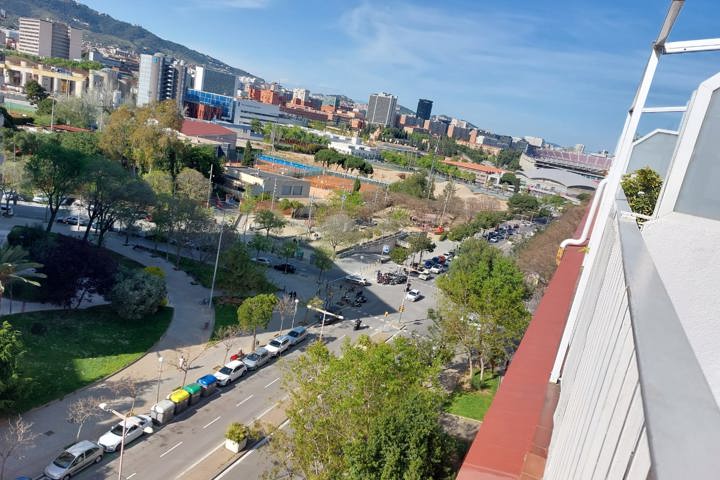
(329, 318)
(285, 267)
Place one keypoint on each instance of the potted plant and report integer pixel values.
(236, 437)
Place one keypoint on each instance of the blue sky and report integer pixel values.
(562, 70)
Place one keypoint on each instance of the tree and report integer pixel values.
(12, 179)
(510, 179)
(160, 182)
(201, 158)
(268, 220)
(399, 255)
(75, 269)
(338, 229)
(16, 268)
(642, 189)
(82, 410)
(184, 359)
(79, 112)
(35, 92)
(420, 243)
(248, 159)
(127, 209)
(12, 381)
(482, 307)
(285, 305)
(256, 126)
(523, 203)
(370, 412)
(56, 172)
(256, 312)
(259, 244)
(115, 137)
(105, 185)
(15, 440)
(416, 185)
(193, 185)
(138, 294)
(240, 276)
(226, 336)
(356, 185)
(322, 260)
(287, 250)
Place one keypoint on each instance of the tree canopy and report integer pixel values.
(256, 312)
(416, 185)
(642, 189)
(370, 412)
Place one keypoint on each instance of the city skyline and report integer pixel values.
(561, 74)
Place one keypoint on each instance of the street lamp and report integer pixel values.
(125, 418)
(325, 314)
(217, 259)
(160, 362)
(294, 313)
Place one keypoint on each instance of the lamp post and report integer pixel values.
(217, 259)
(160, 362)
(294, 313)
(125, 418)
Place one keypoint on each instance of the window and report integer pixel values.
(698, 192)
(286, 190)
(297, 190)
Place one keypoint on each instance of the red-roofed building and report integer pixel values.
(209, 133)
(484, 174)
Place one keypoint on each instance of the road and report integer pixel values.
(174, 450)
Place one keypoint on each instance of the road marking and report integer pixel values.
(340, 339)
(218, 418)
(264, 413)
(199, 461)
(248, 398)
(266, 386)
(173, 448)
(130, 476)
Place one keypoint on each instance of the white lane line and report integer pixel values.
(264, 413)
(130, 476)
(218, 418)
(173, 448)
(248, 398)
(199, 461)
(266, 386)
(340, 339)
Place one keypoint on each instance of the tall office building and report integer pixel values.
(212, 81)
(302, 94)
(381, 109)
(49, 39)
(424, 109)
(161, 78)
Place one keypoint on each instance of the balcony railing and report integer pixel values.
(634, 401)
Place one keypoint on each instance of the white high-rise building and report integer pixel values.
(49, 39)
(303, 94)
(381, 109)
(161, 78)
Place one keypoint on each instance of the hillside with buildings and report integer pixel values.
(102, 29)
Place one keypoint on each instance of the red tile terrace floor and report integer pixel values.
(513, 439)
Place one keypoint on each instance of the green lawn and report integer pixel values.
(80, 347)
(201, 272)
(474, 403)
(225, 315)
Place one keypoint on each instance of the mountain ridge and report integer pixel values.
(106, 30)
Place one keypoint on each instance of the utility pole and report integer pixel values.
(432, 168)
(272, 202)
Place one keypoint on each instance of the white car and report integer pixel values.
(134, 429)
(230, 372)
(425, 275)
(278, 345)
(357, 279)
(437, 268)
(257, 359)
(262, 261)
(413, 295)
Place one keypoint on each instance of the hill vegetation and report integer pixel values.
(104, 29)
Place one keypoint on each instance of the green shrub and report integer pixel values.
(138, 294)
(237, 432)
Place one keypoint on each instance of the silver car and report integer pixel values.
(74, 459)
(257, 359)
(278, 345)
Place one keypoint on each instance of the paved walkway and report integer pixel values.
(188, 332)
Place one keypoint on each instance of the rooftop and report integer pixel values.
(199, 128)
(478, 167)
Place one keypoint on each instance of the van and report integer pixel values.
(297, 335)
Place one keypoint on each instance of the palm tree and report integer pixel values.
(15, 267)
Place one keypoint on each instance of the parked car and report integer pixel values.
(357, 279)
(257, 359)
(278, 345)
(297, 335)
(230, 372)
(7, 211)
(413, 295)
(73, 459)
(134, 429)
(262, 261)
(285, 267)
(39, 198)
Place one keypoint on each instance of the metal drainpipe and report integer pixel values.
(588, 223)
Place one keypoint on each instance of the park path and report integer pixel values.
(189, 329)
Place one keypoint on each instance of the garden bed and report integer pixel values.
(474, 402)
